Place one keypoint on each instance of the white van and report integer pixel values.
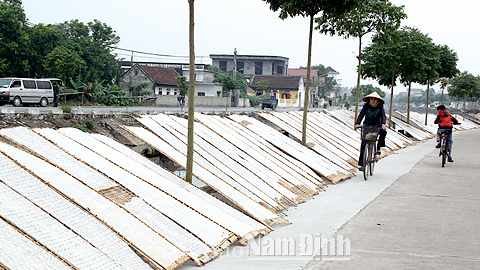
(24, 91)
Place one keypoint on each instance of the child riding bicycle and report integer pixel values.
(444, 120)
(374, 114)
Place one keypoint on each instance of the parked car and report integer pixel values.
(270, 102)
(24, 91)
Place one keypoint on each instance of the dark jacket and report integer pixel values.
(374, 116)
(444, 120)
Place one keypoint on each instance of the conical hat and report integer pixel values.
(374, 95)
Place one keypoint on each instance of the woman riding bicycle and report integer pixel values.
(444, 120)
(374, 116)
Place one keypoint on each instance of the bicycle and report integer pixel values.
(370, 135)
(443, 146)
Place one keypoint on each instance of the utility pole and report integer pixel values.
(236, 91)
(131, 60)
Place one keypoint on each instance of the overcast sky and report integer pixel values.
(161, 27)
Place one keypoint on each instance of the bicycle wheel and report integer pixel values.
(373, 150)
(444, 152)
(366, 165)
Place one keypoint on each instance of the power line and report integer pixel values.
(155, 54)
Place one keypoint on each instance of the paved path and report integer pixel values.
(428, 219)
(427, 214)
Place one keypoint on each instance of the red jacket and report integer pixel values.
(444, 120)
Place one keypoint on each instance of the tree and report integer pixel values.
(14, 50)
(262, 85)
(42, 40)
(367, 90)
(378, 16)
(448, 66)
(382, 61)
(430, 76)
(62, 62)
(94, 43)
(309, 8)
(463, 86)
(182, 85)
(417, 55)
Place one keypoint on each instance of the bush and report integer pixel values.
(89, 124)
(81, 127)
(325, 105)
(66, 109)
(254, 101)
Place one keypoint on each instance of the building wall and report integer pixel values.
(134, 78)
(249, 65)
(220, 102)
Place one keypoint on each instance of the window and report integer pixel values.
(223, 65)
(29, 84)
(258, 68)
(17, 84)
(273, 68)
(160, 92)
(201, 94)
(44, 85)
(280, 70)
(240, 66)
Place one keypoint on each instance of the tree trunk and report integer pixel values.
(441, 99)
(408, 102)
(307, 87)
(428, 92)
(456, 106)
(391, 103)
(358, 77)
(191, 94)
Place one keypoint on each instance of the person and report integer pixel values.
(374, 115)
(444, 120)
(56, 92)
(179, 99)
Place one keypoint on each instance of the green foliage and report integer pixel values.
(14, 42)
(66, 109)
(254, 100)
(325, 105)
(183, 85)
(81, 127)
(93, 42)
(448, 63)
(262, 85)
(62, 62)
(293, 8)
(229, 84)
(55, 50)
(139, 90)
(368, 89)
(464, 86)
(89, 124)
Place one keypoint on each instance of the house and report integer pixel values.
(289, 90)
(250, 65)
(162, 81)
(204, 85)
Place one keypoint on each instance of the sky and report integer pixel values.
(250, 27)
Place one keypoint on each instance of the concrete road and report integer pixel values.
(428, 219)
(411, 214)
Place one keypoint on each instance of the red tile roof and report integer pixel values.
(277, 82)
(161, 75)
(302, 72)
